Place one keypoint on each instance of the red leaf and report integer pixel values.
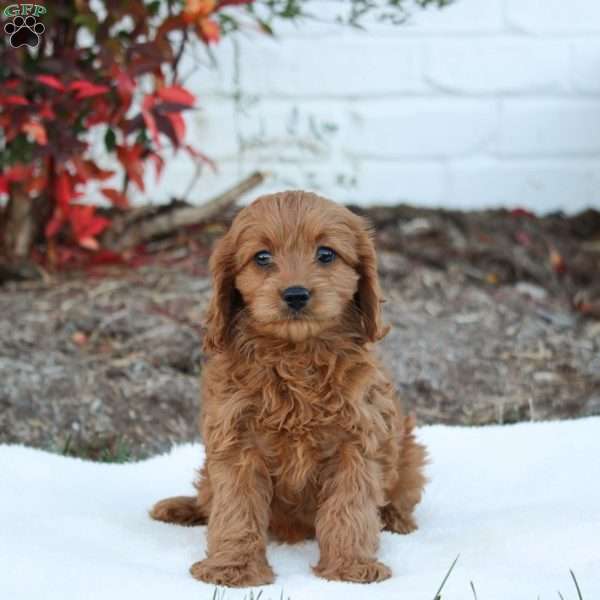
(91, 92)
(46, 111)
(103, 174)
(130, 158)
(3, 184)
(18, 100)
(35, 185)
(125, 86)
(176, 94)
(54, 225)
(86, 225)
(208, 30)
(147, 106)
(521, 212)
(116, 197)
(86, 89)
(125, 82)
(18, 172)
(100, 113)
(37, 131)
(89, 243)
(195, 9)
(63, 189)
(51, 81)
(178, 124)
(106, 257)
(159, 163)
(88, 169)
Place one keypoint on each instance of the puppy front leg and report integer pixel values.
(347, 520)
(238, 523)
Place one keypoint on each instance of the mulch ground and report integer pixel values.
(496, 319)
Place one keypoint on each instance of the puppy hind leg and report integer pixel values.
(186, 510)
(397, 515)
(181, 510)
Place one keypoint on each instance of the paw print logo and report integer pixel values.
(24, 31)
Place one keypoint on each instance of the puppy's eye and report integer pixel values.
(263, 258)
(325, 255)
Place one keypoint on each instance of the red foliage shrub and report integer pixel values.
(112, 65)
(52, 97)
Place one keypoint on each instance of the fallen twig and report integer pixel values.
(163, 223)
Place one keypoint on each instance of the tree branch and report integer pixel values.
(119, 238)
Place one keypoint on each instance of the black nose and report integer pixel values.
(296, 297)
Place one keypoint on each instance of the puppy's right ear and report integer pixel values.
(225, 299)
(368, 297)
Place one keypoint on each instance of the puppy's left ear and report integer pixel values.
(225, 299)
(368, 297)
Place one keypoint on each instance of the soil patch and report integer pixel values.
(493, 314)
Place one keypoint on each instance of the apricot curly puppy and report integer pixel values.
(304, 434)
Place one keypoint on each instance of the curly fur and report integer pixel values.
(304, 433)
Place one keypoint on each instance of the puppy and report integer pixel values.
(304, 434)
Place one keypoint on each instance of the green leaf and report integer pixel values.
(153, 7)
(265, 27)
(142, 138)
(110, 140)
(89, 21)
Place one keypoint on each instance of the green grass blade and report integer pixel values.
(438, 595)
(579, 595)
(473, 590)
(67, 446)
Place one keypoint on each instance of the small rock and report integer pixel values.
(535, 292)
(391, 264)
(546, 377)
(416, 227)
(593, 331)
(562, 320)
(467, 318)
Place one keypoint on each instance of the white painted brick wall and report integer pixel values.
(485, 103)
(553, 16)
(549, 127)
(420, 128)
(344, 68)
(498, 66)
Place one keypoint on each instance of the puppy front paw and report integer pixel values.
(245, 574)
(357, 571)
